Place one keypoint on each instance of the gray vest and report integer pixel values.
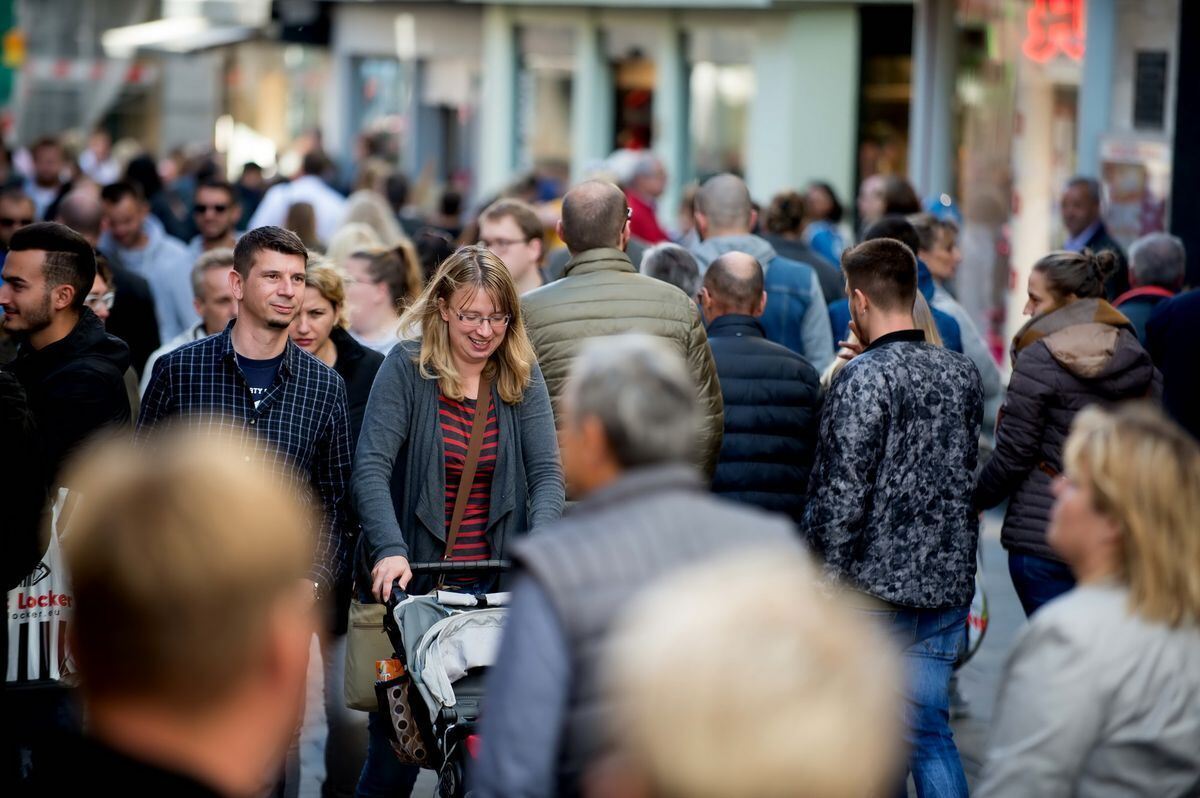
(618, 540)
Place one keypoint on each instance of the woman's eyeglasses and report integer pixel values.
(498, 321)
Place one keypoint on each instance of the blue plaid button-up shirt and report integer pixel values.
(300, 427)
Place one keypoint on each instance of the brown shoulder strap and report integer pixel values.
(482, 405)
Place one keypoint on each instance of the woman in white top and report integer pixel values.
(1101, 694)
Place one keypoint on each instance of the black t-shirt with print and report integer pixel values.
(260, 374)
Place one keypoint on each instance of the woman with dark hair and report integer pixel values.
(899, 197)
(783, 222)
(823, 214)
(1075, 351)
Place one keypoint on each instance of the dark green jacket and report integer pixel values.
(601, 294)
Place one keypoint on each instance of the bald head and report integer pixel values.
(81, 211)
(594, 215)
(725, 206)
(733, 284)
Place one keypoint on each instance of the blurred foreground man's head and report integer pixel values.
(629, 403)
(192, 620)
(747, 689)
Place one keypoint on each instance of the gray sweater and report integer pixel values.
(1097, 701)
(399, 481)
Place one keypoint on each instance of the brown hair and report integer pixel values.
(884, 269)
(511, 365)
(520, 212)
(397, 268)
(263, 239)
(1079, 274)
(785, 214)
(1144, 473)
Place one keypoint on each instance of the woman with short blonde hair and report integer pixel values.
(1101, 694)
(465, 352)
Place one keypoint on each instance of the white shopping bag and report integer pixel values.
(40, 607)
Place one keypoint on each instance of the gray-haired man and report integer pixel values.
(1156, 270)
(627, 432)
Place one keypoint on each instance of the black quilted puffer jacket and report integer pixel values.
(1081, 354)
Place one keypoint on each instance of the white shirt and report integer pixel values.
(186, 337)
(328, 205)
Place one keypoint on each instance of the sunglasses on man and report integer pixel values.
(200, 210)
(8, 221)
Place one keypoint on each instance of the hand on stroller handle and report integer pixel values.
(448, 567)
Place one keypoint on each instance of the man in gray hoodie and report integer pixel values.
(795, 314)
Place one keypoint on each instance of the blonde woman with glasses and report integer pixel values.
(1101, 695)
(469, 354)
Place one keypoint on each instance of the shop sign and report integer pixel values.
(1055, 27)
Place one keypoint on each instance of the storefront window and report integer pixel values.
(720, 103)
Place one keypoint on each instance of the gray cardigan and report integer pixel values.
(1097, 701)
(399, 480)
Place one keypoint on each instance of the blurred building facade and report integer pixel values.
(992, 103)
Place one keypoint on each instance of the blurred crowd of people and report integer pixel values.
(778, 432)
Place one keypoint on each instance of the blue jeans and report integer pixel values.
(930, 641)
(383, 775)
(1038, 580)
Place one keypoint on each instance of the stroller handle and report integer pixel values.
(448, 567)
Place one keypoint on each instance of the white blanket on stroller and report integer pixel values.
(455, 645)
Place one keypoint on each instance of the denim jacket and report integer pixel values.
(795, 316)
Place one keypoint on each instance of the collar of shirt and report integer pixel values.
(291, 352)
(912, 336)
(1077, 243)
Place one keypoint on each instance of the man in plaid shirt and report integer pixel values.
(252, 383)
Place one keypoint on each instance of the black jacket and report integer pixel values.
(889, 501)
(1173, 340)
(132, 316)
(1118, 281)
(22, 494)
(833, 282)
(79, 764)
(772, 404)
(1063, 361)
(74, 386)
(357, 365)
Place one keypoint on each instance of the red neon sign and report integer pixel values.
(1054, 27)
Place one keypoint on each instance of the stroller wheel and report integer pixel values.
(450, 780)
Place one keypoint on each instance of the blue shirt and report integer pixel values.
(299, 426)
(259, 374)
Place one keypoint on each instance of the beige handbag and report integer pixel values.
(366, 642)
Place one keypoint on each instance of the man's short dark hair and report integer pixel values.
(739, 292)
(884, 269)
(1089, 184)
(522, 213)
(897, 227)
(221, 185)
(396, 188)
(14, 194)
(314, 163)
(44, 142)
(69, 259)
(593, 216)
(115, 192)
(260, 239)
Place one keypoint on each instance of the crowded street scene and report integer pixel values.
(601, 398)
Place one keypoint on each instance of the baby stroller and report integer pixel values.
(444, 641)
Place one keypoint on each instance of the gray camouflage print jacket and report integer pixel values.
(889, 503)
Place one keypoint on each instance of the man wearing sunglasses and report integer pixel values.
(16, 211)
(216, 212)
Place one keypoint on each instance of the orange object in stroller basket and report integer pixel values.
(444, 643)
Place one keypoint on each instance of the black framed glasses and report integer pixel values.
(501, 243)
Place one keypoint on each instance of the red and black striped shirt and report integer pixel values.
(456, 419)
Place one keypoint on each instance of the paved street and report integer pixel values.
(978, 679)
